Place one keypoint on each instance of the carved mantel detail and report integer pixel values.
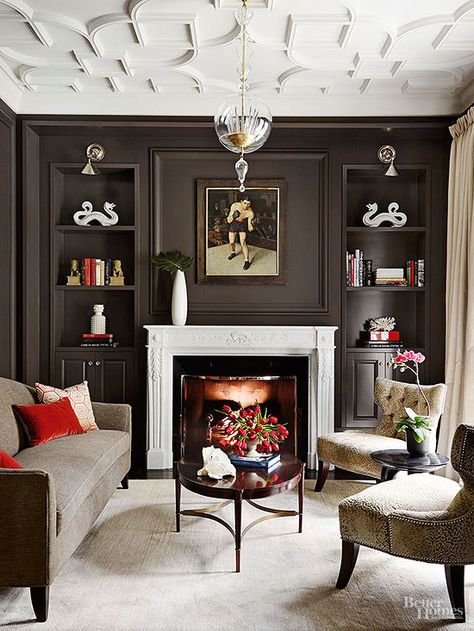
(326, 364)
(155, 362)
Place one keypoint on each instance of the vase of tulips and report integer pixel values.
(249, 431)
(416, 426)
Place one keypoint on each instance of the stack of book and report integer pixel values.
(99, 339)
(358, 270)
(394, 276)
(265, 461)
(95, 271)
(415, 272)
(383, 339)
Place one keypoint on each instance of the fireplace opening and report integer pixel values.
(202, 384)
(203, 398)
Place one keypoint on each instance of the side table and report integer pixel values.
(394, 460)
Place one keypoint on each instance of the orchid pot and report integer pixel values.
(414, 447)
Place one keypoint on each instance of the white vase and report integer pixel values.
(251, 451)
(179, 300)
(98, 320)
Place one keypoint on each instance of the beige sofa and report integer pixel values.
(48, 507)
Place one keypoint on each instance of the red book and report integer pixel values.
(98, 335)
(92, 270)
(87, 271)
(412, 273)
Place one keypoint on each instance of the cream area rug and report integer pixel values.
(134, 572)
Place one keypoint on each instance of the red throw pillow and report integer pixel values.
(8, 462)
(46, 422)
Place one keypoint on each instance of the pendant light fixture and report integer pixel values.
(243, 122)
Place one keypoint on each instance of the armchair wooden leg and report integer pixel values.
(323, 470)
(350, 552)
(125, 482)
(455, 584)
(40, 602)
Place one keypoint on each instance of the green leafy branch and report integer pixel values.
(172, 261)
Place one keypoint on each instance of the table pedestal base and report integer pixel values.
(236, 532)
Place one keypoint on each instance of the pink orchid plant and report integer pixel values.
(409, 360)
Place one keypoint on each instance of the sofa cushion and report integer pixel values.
(79, 397)
(45, 423)
(76, 464)
(8, 462)
(12, 435)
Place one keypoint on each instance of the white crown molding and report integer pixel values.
(10, 93)
(316, 103)
(467, 96)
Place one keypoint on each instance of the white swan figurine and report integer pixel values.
(88, 214)
(373, 220)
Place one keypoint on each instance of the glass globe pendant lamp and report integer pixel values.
(243, 123)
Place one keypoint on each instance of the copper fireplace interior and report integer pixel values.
(203, 393)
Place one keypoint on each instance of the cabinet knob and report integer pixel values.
(380, 363)
(97, 363)
(89, 363)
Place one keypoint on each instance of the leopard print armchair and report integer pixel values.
(421, 517)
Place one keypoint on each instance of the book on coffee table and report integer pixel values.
(266, 461)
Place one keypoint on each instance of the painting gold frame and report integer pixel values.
(218, 201)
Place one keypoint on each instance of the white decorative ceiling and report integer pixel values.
(177, 57)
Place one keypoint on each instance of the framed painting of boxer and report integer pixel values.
(241, 236)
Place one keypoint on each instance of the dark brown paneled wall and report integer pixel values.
(171, 156)
(7, 242)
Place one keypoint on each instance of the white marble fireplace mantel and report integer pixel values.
(164, 342)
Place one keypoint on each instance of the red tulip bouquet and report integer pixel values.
(247, 427)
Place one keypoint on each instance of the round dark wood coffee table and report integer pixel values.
(249, 485)
(394, 460)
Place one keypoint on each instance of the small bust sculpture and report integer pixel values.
(117, 277)
(74, 277)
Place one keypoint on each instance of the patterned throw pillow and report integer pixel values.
(79, 397)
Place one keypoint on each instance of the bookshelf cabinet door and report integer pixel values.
(72, 367)
(362, 369)
(114, 376)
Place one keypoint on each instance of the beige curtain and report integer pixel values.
(459, 367)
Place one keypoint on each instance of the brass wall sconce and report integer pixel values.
(387, 154)
(94, 153)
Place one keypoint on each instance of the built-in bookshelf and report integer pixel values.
(109, 370)
(386, 247)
